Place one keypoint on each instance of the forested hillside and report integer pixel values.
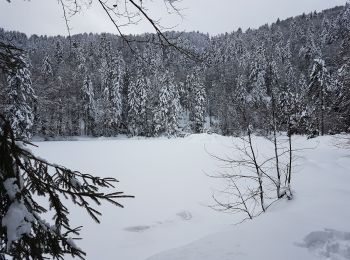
(293, 75)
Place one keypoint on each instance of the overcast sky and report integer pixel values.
(212, 16)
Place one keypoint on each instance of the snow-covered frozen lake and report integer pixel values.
(172, 193)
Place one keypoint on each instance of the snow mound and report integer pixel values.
(329, 244)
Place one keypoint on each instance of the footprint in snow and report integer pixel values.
(184, 215)
(137, 229)
(328, 244)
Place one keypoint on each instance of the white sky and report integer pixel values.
(212, 16)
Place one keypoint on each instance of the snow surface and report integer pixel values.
(170, 219)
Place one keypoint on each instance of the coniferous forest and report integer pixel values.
(293, 75)
(248, 104)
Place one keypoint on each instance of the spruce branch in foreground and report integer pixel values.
(24, 233)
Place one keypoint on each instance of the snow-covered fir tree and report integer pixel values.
(89, 107)
(167, 111)
(320, 84)
(258, 77)
(343, 98)
(137, 103)
(21, 97)
(58, 54)
(197, 115)
(46, 68)
(197, 101)
(112, 85)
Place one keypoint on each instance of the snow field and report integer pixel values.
(172, 194)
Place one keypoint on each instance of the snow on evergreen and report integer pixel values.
(306, 56)
(21, 97)
(196, 100)
(89, 106)
(167, 111)
(272, 60)
(112, 84)
(137, 102)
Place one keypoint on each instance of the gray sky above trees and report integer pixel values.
(212, 16)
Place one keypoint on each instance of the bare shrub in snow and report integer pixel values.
(253, 181)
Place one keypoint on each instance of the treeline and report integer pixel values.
(291, 76)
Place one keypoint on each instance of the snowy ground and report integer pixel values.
(170, 214)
